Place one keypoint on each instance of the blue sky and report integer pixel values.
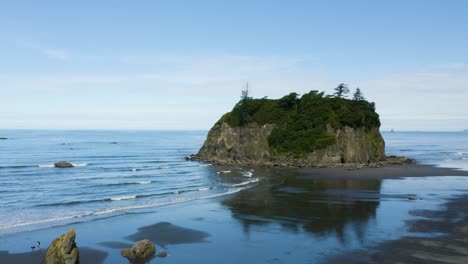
(182, 64)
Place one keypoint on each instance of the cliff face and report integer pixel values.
(249, 145)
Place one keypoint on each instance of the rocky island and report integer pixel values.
(312, 130)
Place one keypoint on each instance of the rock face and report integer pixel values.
(63, 250)
(63, 164)
(141, 251)
(249, 145)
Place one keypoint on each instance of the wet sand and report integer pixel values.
(449, 247)
(387, 172)
(87, 255)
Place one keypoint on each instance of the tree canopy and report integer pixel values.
(301, 122)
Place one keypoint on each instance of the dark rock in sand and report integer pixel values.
(3, 138)
(63, 164)
(398, 160)
(63, 250)
(142, 250)
(162, 254)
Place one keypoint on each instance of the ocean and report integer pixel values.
(127, 179)
(115, 172)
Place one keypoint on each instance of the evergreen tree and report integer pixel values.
(341, 90)
(244, 106)
(358, 95)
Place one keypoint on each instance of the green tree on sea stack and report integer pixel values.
(341, 90)
(244, 106)
(358, 95)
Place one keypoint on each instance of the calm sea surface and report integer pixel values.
(123, 172)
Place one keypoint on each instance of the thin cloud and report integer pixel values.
(58, 54)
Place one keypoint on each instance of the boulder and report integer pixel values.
(63, 164)
(140, 251)
(162, 254)
(63, 250)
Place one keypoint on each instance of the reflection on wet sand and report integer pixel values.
(317, 206)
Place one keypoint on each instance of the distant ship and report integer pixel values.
(392, 130)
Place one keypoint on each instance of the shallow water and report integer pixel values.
(115, 172)
(278, 217)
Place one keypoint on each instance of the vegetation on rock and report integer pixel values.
(302, 124)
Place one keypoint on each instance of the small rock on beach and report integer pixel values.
(63, 250)
(140, 251)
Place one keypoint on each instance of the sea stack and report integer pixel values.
(308, 131)
(63, 250)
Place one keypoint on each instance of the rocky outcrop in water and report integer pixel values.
(140, 251)
(249, 145)
(63, 250)
(63, 164)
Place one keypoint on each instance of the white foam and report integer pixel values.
(47, 166)
(135, 169)
(203, 189)
(246, 182)
(127, 208)
(79, 164)
(163, 167)
(123, 198)
(225, 171)
(144, 182)
(460, 153)
(247, 174)
(205, 165)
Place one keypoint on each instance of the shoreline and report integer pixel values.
(305, 174)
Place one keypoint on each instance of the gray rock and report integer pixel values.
(63, 250)
(162, 254)
(249, 145)
(140, 251)
(63, 164)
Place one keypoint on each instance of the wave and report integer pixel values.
(226, 171)
(144, 182)
(46, 166)
(16, 167)
(123, 198)
(205, 165)
(53, 166)
(459, 153)
(205, 189)
(247, 174)
(123, 209)
(80, 164)
(246, 182)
